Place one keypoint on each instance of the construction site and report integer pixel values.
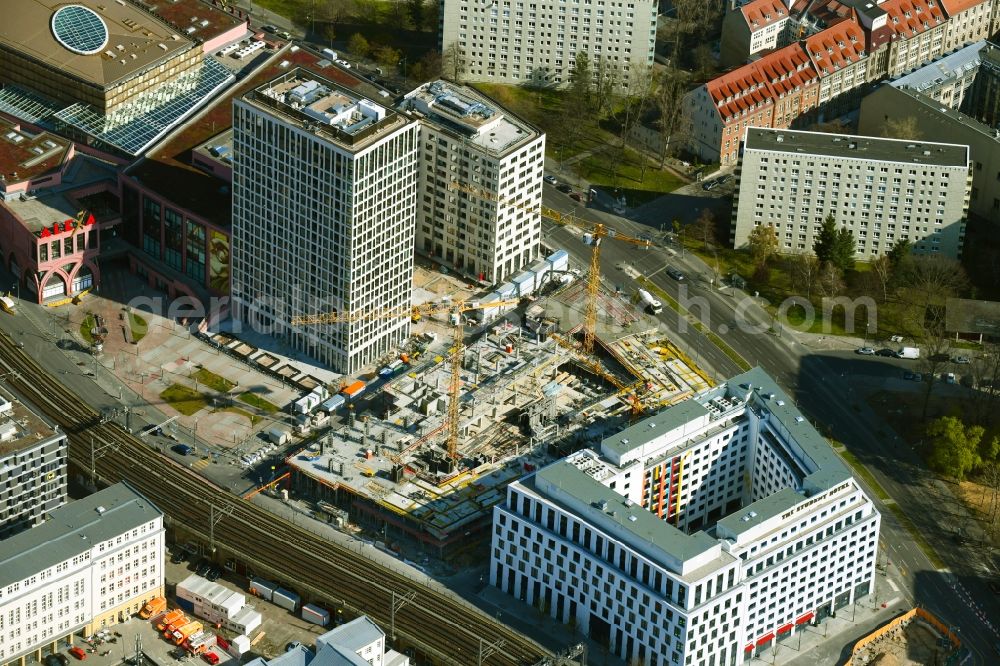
(429, 446)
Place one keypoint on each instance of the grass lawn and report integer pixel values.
(629, 179)
(213, 381)
(85, 326)
(185, 400)
(139, 326)
(260, 403)
(254, 419)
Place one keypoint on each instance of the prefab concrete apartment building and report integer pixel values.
(481, 168)
(884, 190)
(324, 198)
(704, 534)
(92, 563)
(536, 42)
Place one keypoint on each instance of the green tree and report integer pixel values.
(954, 446)
(387, 57)
(581, 78)
(763, 244)
(330, 33)
(844, 249)
(415, 8)
(825, 244)
(898, 253)
(358, 45)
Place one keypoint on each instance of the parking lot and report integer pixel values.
(279, 627)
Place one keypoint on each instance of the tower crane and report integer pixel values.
(458, 343)
(597, 231)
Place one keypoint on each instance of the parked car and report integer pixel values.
(948, 377)
(551, 180)
(865, 351)
(564, 188)
(283, 34)
(961, 360)
(213, 574)
(56, 660)
(268, 28)
(203, 568)
(675, 274)
(576, 196)
(210, 657)
(344, 64)
(709, 185)
(885, 351)
(291, 646)
(182, 449)
(78, 652)
(178, 557)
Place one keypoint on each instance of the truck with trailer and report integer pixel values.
(648, 303)
(153, 608)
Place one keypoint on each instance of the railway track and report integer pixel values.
(437, 623)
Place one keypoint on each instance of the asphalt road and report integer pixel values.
(827, 384)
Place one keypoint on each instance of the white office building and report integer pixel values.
(518, 42)
(92, 563)
(32, 467)
(480, 194)
(884, 190)
(701, 535)
(324, 192)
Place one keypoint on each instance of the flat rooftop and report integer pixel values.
(28, 428)
(953, 65)
(124, 39)
(325, 108)
(917, 103)
(469, 113)
(25, 155)
(57, 204)
(195, 19)
(857, 147)
(167, 169)
(218, 149)
(74, 529)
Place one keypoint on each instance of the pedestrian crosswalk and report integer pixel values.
(201, 464)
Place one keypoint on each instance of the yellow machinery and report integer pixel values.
(415, 312)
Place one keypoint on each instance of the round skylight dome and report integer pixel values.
(79, 29)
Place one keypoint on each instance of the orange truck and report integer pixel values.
(189, 629)
(169, 619)
(153, 608)
(168, 631)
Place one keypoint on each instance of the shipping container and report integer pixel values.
(541, 269)
(262, 588)
(507, 291)
(285, 599)
(315, 615)
(525, 283)
(558, 260)
(278, 435)
(352, 391)
(239, 646)
(333, 404)
(244, 622)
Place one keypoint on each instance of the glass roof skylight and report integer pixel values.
(79, 29)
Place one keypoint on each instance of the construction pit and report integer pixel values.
(528, 395)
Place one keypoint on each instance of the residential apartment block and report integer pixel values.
(755, 27)
(33, 457)
(324, 206)
(93, 563)
(705, 534)
(480, 186)
(884, 190)
(849, 43)
(958, 104)
(770, 92)
(517, 42)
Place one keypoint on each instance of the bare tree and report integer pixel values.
(882, 269)
(933, 278)
(453, 61)
(830, 280)
(607, 78)
(805, 270)
(669, 101)
(704, 228)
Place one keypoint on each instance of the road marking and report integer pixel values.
(201, 464)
